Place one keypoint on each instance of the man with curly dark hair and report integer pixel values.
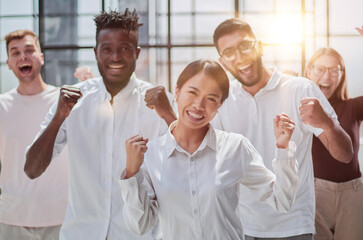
(95, 118)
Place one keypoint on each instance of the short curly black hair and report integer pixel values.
(127, 21)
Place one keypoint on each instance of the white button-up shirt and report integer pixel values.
(252, 116)
(96, 132)
(196, 195)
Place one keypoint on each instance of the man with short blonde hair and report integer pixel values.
(29, 209)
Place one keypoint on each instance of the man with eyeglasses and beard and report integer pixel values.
(256, 95)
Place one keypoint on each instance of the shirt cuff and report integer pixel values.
(132, 181)
(284, 153)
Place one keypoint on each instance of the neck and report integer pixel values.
(32, 87)
(114, 89)
(265, 77)
(189, 139)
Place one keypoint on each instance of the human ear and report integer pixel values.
(177, 92)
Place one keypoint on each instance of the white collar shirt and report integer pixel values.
(196, 195)
(96, 132)
(252, 116)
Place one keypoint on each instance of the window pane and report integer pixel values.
(181, 30)
(205, 26)
(60, 30)
(214, 5)
(251, 5)
(289, 6)
(351, 48)
(59, 67)
(8, 79)
(86, 31)
(345, 17)
(89, 6)
(60, 7)
(161, 30)
(181, 6)
(3, 53)
(12, 7)
(11, 24)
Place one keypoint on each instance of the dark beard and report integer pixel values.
(259, 75)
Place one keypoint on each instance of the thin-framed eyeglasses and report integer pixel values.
(320, 70)
(244, 47)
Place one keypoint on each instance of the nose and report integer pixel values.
(116, 55)
(239, 55)
(199, 103)
(22, 56)
(326, 74)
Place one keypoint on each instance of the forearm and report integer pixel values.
(169, 117)
(139, 211)
(40, 153)
(287, 179)
(337, 142)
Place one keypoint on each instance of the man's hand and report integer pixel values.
(83, 73)
(312, 113)
(283, 129)
(135, 149)
(157, 99)
(68, 97)
(360, 30)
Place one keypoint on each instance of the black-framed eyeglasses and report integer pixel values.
(244, 47)
(320, 70)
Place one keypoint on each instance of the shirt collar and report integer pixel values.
(271, 84)
(172, 145)
(123, 94)
(274, 80)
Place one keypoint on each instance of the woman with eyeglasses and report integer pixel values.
(190, 176)
(338, 186)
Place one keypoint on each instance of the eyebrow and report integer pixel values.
(210, 94)
(26, 46)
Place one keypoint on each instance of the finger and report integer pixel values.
(283, 114)
(308, 100)
(150, 105)
(135, 138)
(285, 119)
(73, 95)
(153, 96)
(70, 88)
(276, 121)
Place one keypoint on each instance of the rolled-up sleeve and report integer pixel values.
(140, 207)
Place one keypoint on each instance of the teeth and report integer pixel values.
(243, 67)
(24, 65)
(116, 66)
(324, 85)
(195, 115)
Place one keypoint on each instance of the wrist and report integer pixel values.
(130, 173)
(283, 146)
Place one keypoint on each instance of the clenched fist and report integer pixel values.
(135, 149)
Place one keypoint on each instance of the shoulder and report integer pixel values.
(8, 95)
(143, 85)
(90, 84)
(357, 101)
(295, 82)
(155, 148)
(7, 98)
(230, 139)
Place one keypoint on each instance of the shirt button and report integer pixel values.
(193, 192)
(195, 211)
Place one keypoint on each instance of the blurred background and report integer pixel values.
(176, 32)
